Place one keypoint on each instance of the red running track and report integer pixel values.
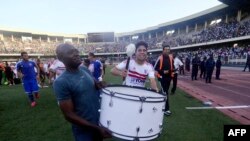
(232, 90)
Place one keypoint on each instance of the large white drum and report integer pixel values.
(132, 113)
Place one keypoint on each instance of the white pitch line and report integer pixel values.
(218, 107)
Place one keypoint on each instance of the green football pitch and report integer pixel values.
(20, 122)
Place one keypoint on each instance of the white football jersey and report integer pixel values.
(58, 67)
(137, 74)
(177, 64)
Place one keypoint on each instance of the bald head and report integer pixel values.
(69, 55)
(63, 49)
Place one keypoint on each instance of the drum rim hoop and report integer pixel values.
(141, 88)
(156, 101)
(143, 137)
(161, 99)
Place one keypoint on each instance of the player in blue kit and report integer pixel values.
(26, 71)
(96, 67)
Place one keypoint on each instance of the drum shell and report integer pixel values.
(124, 113)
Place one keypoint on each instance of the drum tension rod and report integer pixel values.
(142, 99)
(163, 108)
(137, 132)
(150, 130)
(111, 101)
(108, 123)
(112, 93)
(136, 139)
(155, 109)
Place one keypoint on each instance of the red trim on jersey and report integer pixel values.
(142, 75)
(136, 76)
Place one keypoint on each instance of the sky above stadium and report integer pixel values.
(83, 16)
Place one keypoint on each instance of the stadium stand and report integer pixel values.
(214, 31)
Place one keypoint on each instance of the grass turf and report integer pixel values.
(19, 122)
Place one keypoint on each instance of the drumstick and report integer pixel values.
(130, 50)
(126, 68)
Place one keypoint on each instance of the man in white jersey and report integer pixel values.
(57, 67)
(138, 69)
(177, 65)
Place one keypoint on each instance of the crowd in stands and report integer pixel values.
(233, 52)
(9, 46)
(215, 32)
(219, 31)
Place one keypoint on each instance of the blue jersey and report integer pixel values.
(97, 69)
(28, 69)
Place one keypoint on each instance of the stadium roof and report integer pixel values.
(194, 18)
(197, 15)
(244, 4)
(6, 29)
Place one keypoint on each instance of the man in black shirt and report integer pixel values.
(209, 68)
(195, 67)
(165, 72)
(203, 68)
(218, 67)
(247, 62)
(187, 64)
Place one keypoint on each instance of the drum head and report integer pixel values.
(133, 93)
